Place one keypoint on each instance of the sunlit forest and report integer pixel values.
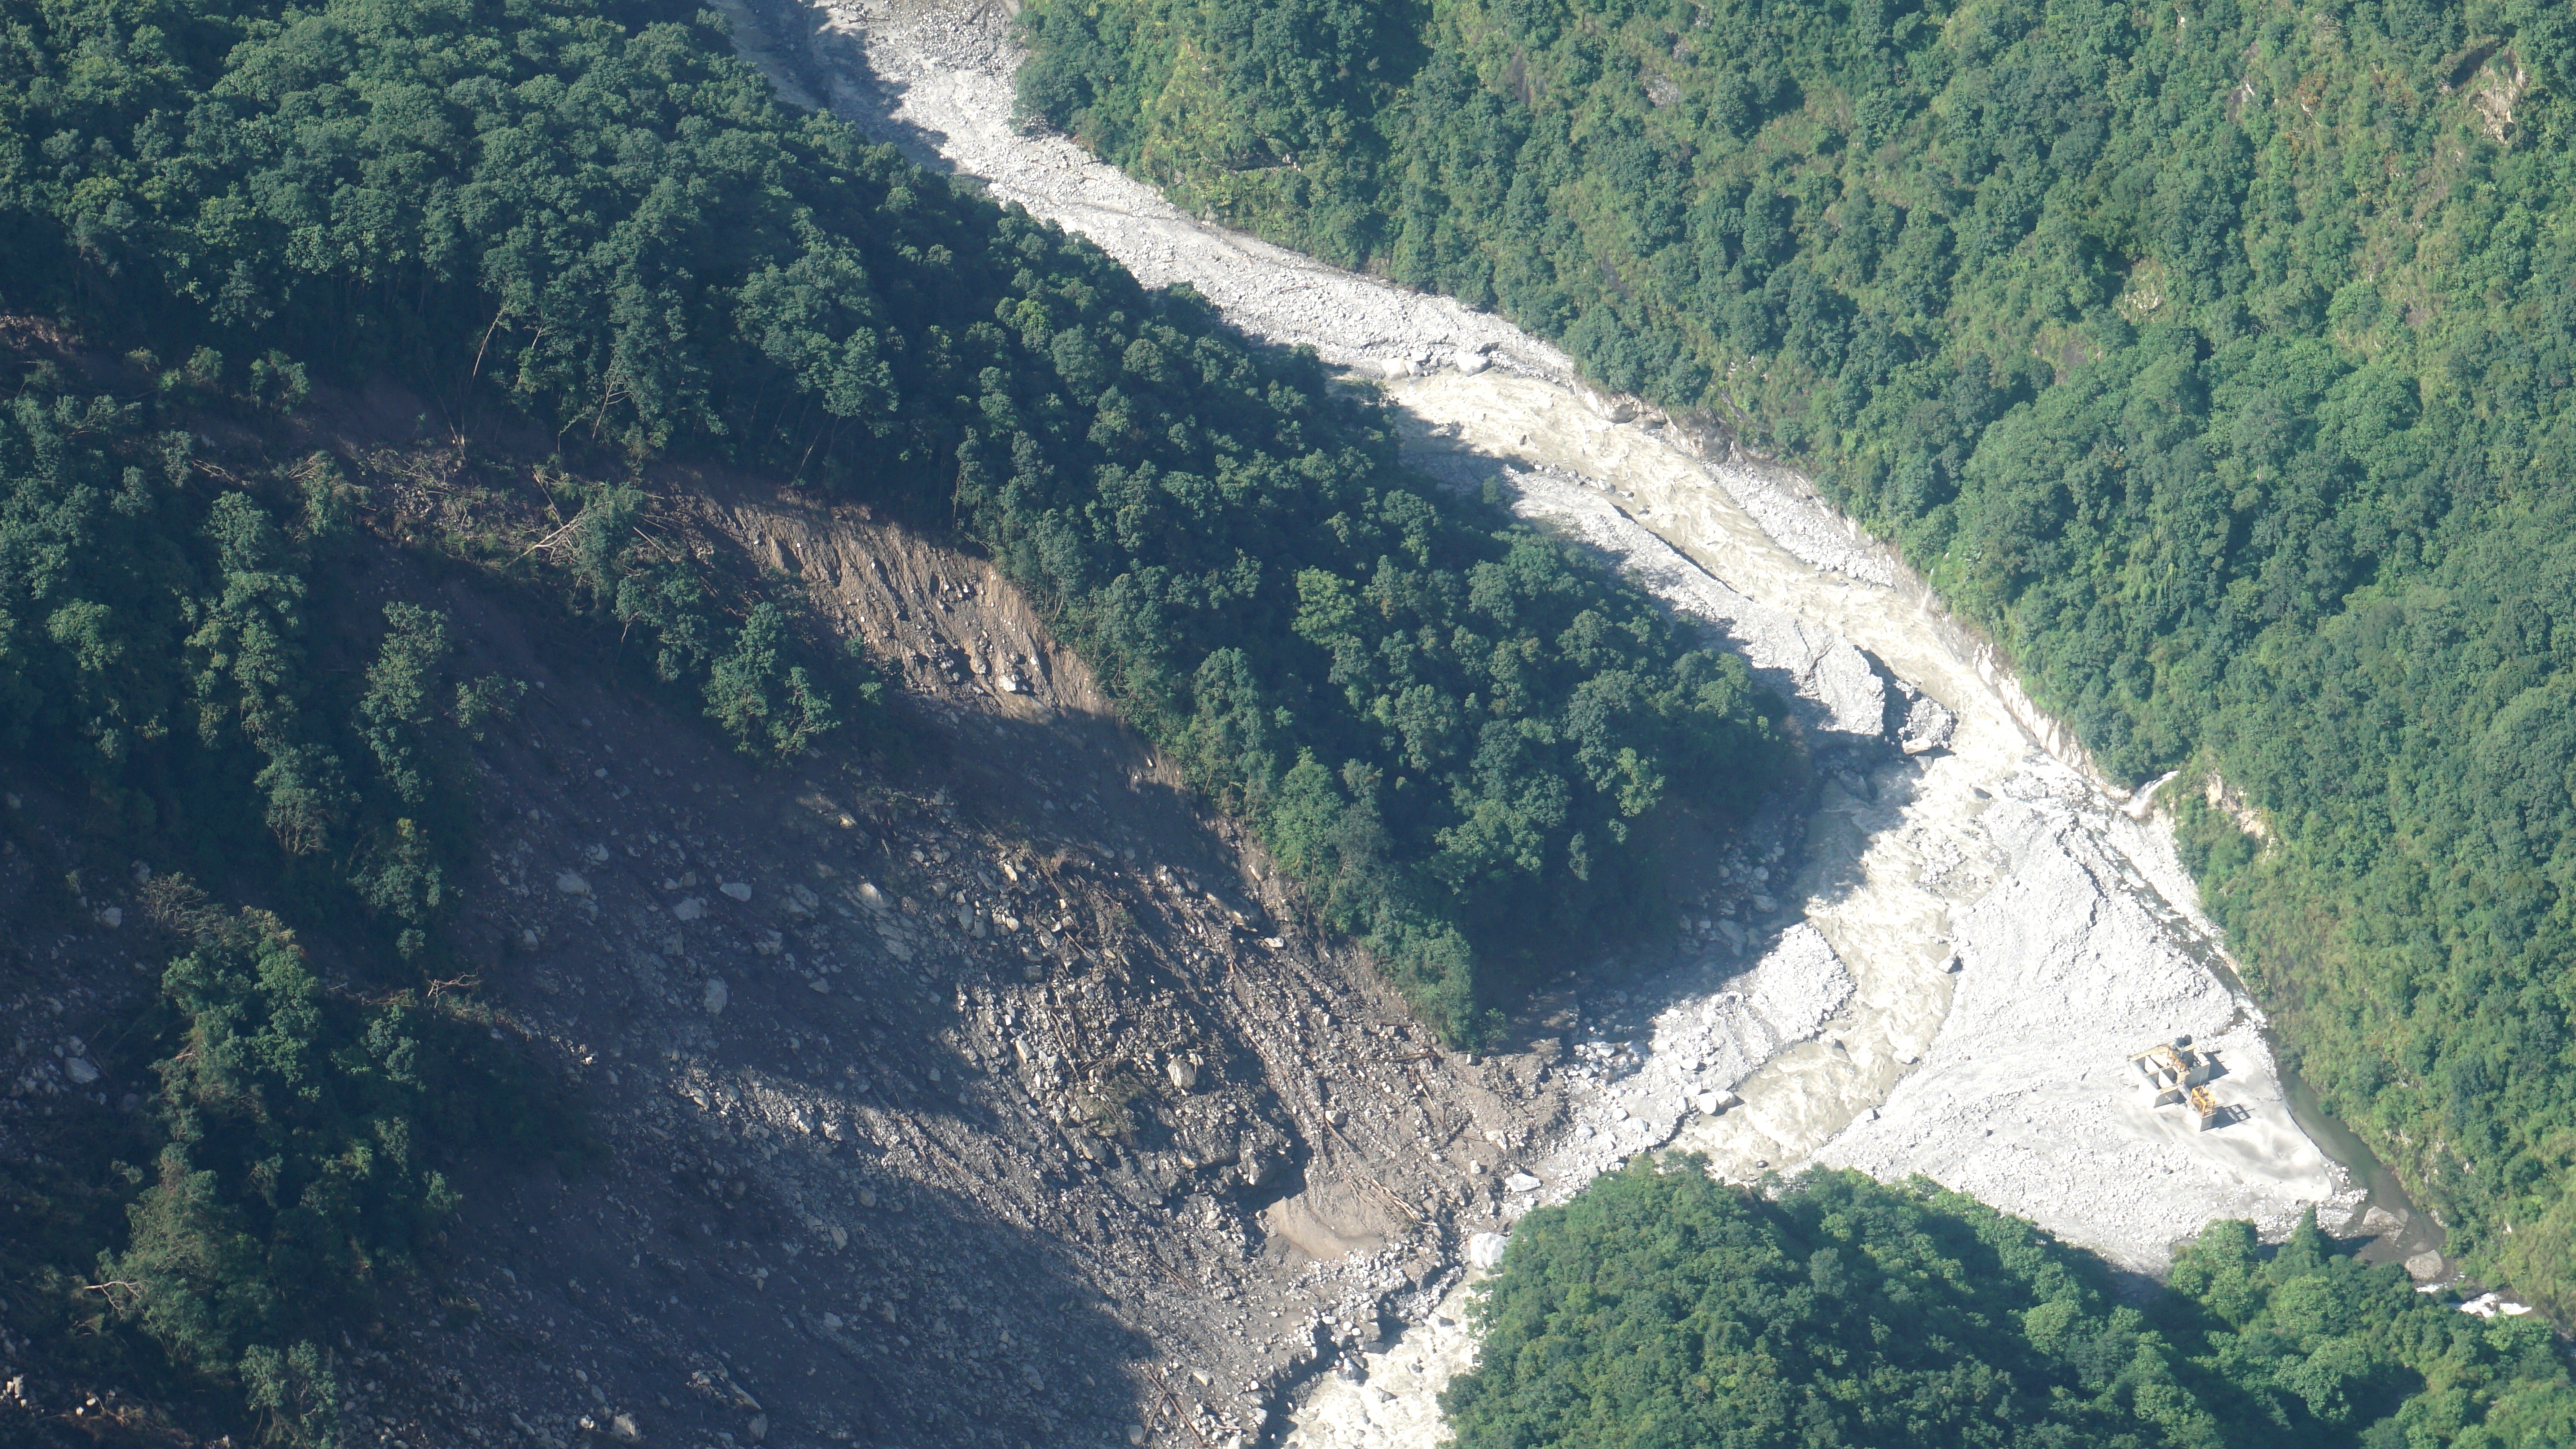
(2214, 357)
(598, 216)
(1661, 1307)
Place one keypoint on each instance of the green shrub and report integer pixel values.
(308, 1135)
(765, 704)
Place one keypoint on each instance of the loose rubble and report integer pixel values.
(1015, 1102)
(1633, 1095)
(1003, 1098)
(1841, 694)
(1917, 733)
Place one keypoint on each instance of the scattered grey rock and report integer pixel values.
(570, 883)
(1928, 726)
(715, 997)
(692, 909)
(1837, 689)
(80, 1071)
(739, 890)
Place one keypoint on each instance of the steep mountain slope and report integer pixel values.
(236, 629)
(992, 1095)
(1906, 833)
(993, 1098)
(1445, 725)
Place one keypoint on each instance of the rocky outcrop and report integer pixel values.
(1924, 723)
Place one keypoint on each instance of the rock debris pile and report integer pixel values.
(1003, 1099)
(1901, 1021)
(1695, 1051)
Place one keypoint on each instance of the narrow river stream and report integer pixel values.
(1949, 979)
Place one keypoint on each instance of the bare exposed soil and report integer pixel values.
(997, 1096)
(1006, 1098)
(1995, 928)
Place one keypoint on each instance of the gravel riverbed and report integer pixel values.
(1947, 978)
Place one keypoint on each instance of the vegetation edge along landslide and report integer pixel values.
(611, 223)
(594, 221)
(2215, 358)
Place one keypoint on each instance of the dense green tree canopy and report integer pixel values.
(592, 216)
(1660, 1307)
(2215, 357)
(301, 1171)
(166, 632)
(594, 212)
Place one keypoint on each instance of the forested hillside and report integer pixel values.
(1661, 1307)
(598, 215)
(590, 218)
(2215, 357)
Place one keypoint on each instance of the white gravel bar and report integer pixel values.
(1976, 938)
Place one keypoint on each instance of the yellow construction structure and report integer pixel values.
(2175, 1075)
(2204, 1106)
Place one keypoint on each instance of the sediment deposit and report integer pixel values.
(1949, 972)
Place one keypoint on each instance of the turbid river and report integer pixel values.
(1952, 974)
